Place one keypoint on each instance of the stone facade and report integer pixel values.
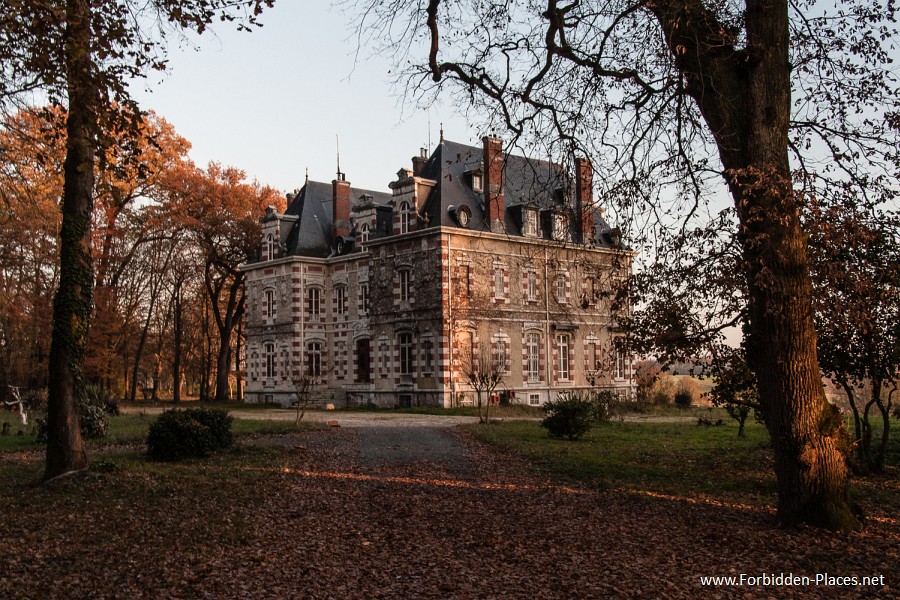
(390, 298)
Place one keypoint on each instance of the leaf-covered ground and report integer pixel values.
(308, 516)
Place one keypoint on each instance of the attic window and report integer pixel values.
(477, 179)
(529, 223)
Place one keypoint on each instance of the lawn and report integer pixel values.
(131, 429)
(678, 459)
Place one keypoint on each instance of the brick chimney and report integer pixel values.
(493, 182)
(584, 200)
(419, 162)
(340, 205)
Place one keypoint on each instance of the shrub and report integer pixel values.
(94, 395)
(570, 415)
(602, 405)
(683, 398)
(193, 433)
(36, 400)
(94, 423)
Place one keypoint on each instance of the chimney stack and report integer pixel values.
(493, 183)
(340, 205)
(584, 199)
(419, 163)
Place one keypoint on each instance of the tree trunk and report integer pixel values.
(745, 98)
(239, 392)
(177, 335)
(72, 303)
(223, 362)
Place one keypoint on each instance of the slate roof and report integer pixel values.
(312, 234)
(526, 181)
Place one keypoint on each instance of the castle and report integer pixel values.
(475, 259)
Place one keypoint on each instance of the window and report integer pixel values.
(593, 356)
(502, 356)
(403, 274)
(270, 306)
(499, 282)
(313, 297)
(340, 294)
(477, 182)
(620, 364)
(364, 233)
(364, 297)
(562, 349)
(529, 225)
(561, 288)
(534, 399)
(404, 217)
(269, 353)
(406, 354)
(269, 253)
(560, 228)
(531, 293)
(532, 357)
(314, 359)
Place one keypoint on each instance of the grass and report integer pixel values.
(679, 459)
(132, 429)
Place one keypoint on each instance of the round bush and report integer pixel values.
(193, 433)
(94, 423)
(569, 416)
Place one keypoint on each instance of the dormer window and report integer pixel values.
(477, 180)
(364, 233)
(529, 223)
(269, 252)
(404, 217)
(560, 227)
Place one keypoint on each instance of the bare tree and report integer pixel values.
(484, 373)
(740, 96)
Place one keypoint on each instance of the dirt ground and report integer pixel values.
(406, 506)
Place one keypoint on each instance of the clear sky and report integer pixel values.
(272, 101)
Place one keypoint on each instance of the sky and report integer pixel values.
(279, 100)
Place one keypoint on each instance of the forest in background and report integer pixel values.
(167, 239)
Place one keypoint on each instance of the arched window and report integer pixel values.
(404, 217)
(269, 253)
(364, 233)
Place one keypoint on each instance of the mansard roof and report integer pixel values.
(531, 183)
(312, 234)
(526, 182)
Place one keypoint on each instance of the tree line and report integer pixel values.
(166, 240)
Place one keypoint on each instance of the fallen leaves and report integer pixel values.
(270, 521)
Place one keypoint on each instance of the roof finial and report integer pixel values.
(337, 143)
(307, 176)
(442, 132)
